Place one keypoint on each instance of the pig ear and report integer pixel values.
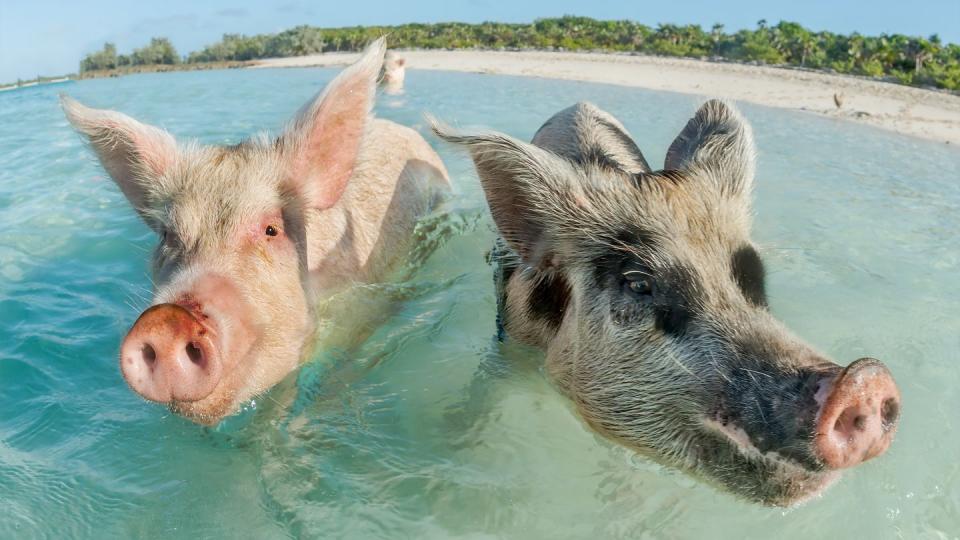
(134, 154)
(525, 187)
(585, 132)
(325, 137)
(719, 142)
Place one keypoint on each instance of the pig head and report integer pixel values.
(252, 234)
(648, 297)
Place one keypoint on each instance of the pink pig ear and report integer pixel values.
(134, 154)
(325, 137)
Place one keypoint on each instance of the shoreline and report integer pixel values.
(908, 110)
(35, 82)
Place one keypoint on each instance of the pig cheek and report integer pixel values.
(274, 291)
(279, 286)
(578, 369)
(605, 377)
(275, 279)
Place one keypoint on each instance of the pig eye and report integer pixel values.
(639, 283)
(271, 230)
(167, 238)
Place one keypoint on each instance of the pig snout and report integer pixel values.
(168, 355)
(858, 415)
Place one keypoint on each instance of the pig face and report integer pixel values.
(647, 294)
(232, 311)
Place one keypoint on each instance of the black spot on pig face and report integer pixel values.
(643, 289)
(548, 299)
(748, 272)
(674, 306)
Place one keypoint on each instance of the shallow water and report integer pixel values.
(432, 430)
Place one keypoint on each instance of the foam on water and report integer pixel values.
(432, 430)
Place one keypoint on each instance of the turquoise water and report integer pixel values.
(431, 430)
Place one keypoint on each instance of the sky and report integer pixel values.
(49, 37)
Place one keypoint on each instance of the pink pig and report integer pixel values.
(254, 236)
(393, 73)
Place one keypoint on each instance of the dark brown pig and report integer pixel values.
(647, 295)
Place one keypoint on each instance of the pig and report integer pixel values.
(392, 73)
(253, 236)
(648, 297)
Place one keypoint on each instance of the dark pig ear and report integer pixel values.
(527, 189)
(718, 142)
(323, 141)
(135, 155)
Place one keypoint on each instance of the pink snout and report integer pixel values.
(859, 417)
(169, 356)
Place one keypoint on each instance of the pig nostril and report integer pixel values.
(849, 421)
(194, 353)
(149, 355)
(889, 412)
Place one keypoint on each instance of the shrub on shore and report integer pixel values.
(909, 60)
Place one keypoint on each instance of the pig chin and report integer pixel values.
(223, 401)
(736, 465)
(244, 383)
(208, 411)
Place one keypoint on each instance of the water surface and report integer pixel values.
(432, 430)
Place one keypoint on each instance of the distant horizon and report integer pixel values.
(73, 30)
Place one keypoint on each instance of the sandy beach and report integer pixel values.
(912, 111)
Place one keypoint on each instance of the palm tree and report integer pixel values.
(716, 37)
(924, 50)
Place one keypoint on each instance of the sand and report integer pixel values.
(911, 111)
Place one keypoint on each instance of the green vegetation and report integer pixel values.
(159, 52)
(909, 60)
